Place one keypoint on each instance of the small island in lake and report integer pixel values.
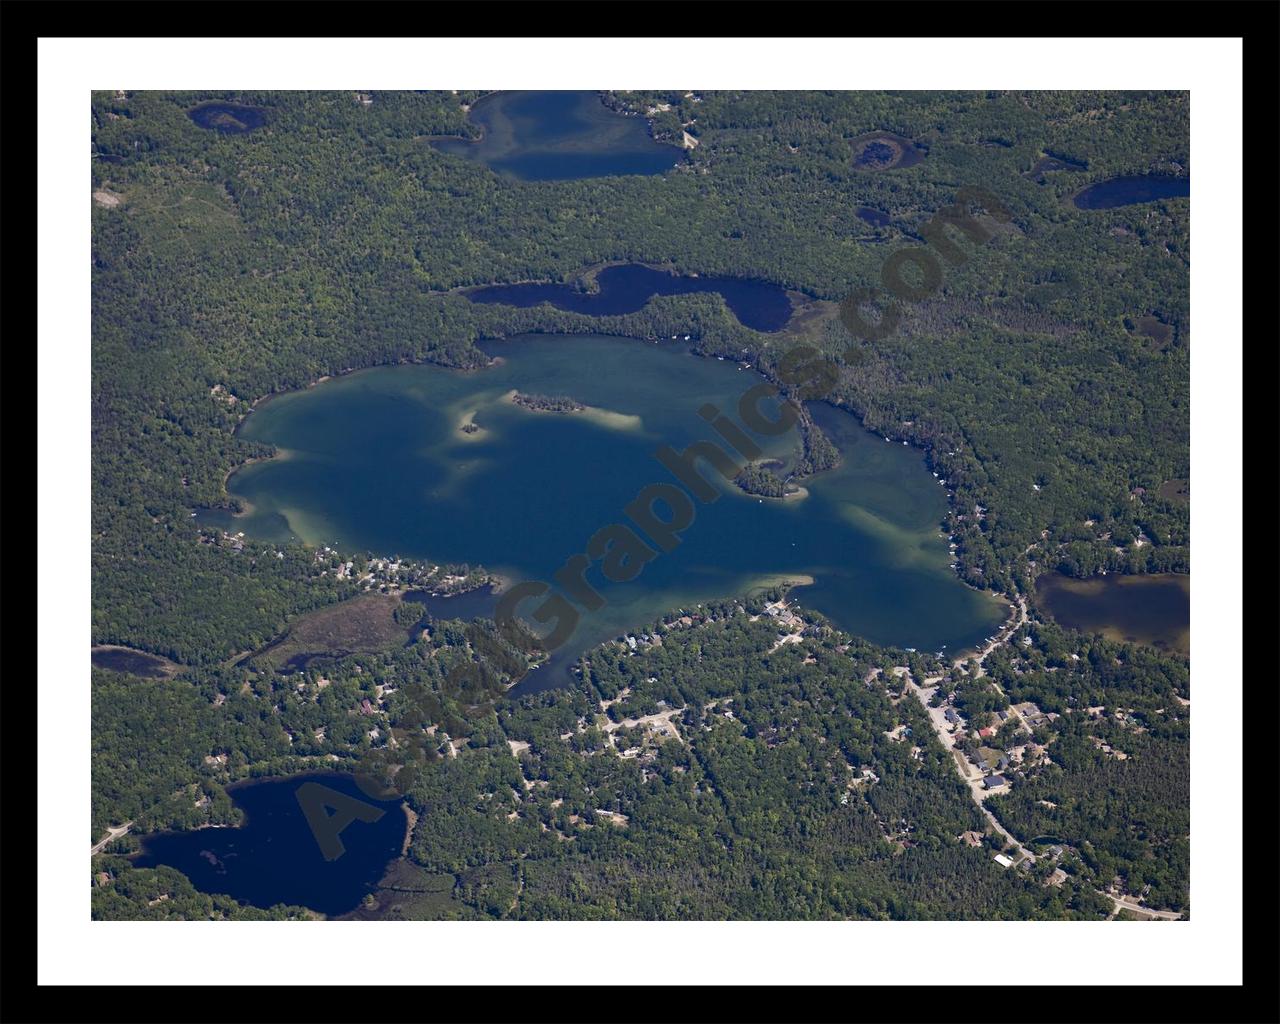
(467, 426)
(546, 403)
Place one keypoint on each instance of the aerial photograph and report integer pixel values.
(672, 505)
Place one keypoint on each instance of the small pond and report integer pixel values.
(228, 118)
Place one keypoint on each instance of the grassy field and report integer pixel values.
(407, 892)
(364, 624)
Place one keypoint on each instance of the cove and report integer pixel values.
(470, 604)
(625, 289)
(274, 857)
(556, 136)
(1107, 195)
(378, 461)
(1147, 609)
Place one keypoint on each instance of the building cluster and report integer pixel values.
(983, 747)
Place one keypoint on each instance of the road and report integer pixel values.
(973, 777)
(112, 834)
(1015, 624)
(1135, 908)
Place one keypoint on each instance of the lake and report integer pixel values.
(1147, 609)
(377, 461)
(554, 136)
(275, 858)
(625, 289)
(1106, 195)
(228, 118)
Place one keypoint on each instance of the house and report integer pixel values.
(1031, 714)
(951, 716)
(986, 731)
(1003, 861)
(971, 838)
(986, 758)
(994, 782)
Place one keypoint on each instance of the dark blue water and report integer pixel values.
(555, 136)
(228, 118)
(471, 604)
(275, 857)
(756, 304)
(1107, 195)
(876, 217)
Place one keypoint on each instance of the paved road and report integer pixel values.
(968, 773)
(1135, 908)
(1018, 622)
(971, 775)
(112, 834)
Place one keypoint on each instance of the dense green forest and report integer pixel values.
(231, 267)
